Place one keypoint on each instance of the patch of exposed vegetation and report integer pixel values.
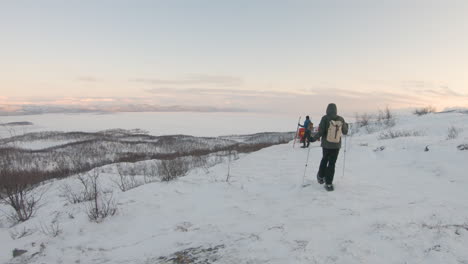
(424, 111)
(197, 255)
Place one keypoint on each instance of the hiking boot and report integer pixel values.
(329, 187)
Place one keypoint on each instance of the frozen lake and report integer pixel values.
(159, 123)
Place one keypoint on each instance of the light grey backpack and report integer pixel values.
(334, 131)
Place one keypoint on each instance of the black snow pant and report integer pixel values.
(327, 165)
(306, 138)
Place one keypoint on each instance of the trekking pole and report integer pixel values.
(297, 131)
(344, 156)
(305, 169)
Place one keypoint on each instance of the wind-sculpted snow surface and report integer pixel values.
(401, 204)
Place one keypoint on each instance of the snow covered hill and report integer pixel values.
(401, 199)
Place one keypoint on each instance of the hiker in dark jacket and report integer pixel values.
(307, 125)
(330, 149)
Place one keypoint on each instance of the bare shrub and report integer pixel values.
(390, 134)
(150, 174)
(53, 229)
(82, 152)
(169, 170)
(424, 111)
(440, 226)
(18, 190)
(127, 169)
(127, 177)
(200, 161)
(453, 132)
(71, 195)
(88, 182)
(372, 123)
(19, 233)
(84, 194)
(102, 205)
(363, 120)
(101, 208)
(380, 117)
(386, 117)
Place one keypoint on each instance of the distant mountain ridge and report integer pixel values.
(58, 109)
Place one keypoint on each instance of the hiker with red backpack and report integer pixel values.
(331, 128)
(308, 126)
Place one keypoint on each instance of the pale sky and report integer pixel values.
(279, 56)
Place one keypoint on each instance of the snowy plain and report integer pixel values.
(394, 202)
(157, 123)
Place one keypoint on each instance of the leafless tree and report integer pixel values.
(127, 177)
(19, 189)
(151, 171)
(169, 170)
(16, 188)
(78, 196)
(102, 205)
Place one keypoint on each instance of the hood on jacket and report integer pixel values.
(332, 111)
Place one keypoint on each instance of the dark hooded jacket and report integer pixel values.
(332, 114)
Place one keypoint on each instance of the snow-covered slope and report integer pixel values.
(395, 203)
